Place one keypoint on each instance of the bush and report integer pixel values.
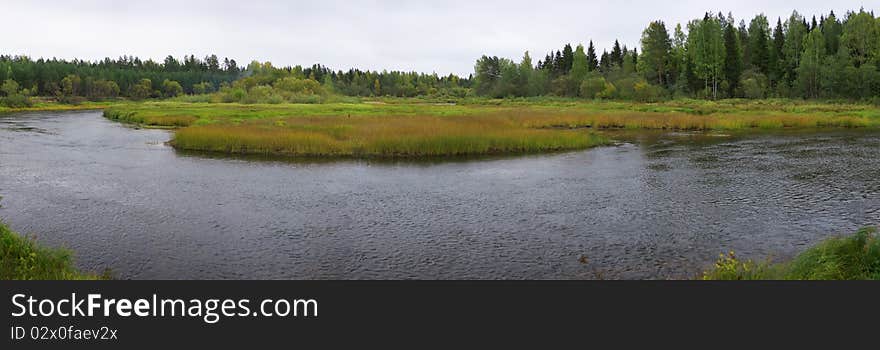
(592, 87)
(645, 92)
(609, 92)
(72, 100)
(229, 95)
(171, 88)
(16, 101)
(728, 268)
(754, 84)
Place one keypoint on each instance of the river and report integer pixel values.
(659, 205)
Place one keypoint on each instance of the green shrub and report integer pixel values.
(592, 87)
(16, 101)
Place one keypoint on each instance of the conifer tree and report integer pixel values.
(592, 60)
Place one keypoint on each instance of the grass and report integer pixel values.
(394, 127)
(854, 257)
(55, 106)
(22, 258)
(367, 136)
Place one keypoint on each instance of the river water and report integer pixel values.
(659, 205)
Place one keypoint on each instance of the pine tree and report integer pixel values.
(558, 64)
(592, 61)
(605, 62)
(743, 34)
(567, 58)
(656, 48)
(732, 58)
(759, 34)
(616, 55)
(832, 30)
(777, 54)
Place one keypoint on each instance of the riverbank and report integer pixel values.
(22, 258)
(55, 106)
(414, 128)
(854, 257)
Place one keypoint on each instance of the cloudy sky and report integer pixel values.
(428, 36)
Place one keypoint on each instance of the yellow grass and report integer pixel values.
(410, 136)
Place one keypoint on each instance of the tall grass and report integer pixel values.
(854, 257)
(40, 105)
(410, 127)
(22, 259)
(379, 137)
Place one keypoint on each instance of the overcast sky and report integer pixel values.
(428, 36)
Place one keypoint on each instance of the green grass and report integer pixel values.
(854, 257)
(22, 258)
(397, 127)
(55, 106)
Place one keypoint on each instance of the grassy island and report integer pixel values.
(416, 128)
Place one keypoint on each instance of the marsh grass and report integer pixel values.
(414, 128)
(40, 106)
(21, 258)
(854, 257)
(358, 136)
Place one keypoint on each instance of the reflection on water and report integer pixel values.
(660, 205)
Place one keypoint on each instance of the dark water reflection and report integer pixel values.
(660, 206)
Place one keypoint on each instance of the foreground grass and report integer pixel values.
(414, 128)
(22, 259)
(855, 257)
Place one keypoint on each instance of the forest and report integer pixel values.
(712, 57)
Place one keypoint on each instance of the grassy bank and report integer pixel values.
(855, 257)
(55, 106)
(413, 128)
(22, 258)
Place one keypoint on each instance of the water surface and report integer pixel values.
(662, 205)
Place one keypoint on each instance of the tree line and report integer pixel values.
(78, 80)
(127, 76)
(710, 57)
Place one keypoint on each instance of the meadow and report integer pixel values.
(394, 127)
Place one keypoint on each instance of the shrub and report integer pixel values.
(592, 87)
(754, 84)
(645, 92)
(171, 88)
(16, 101)
(609, 92)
